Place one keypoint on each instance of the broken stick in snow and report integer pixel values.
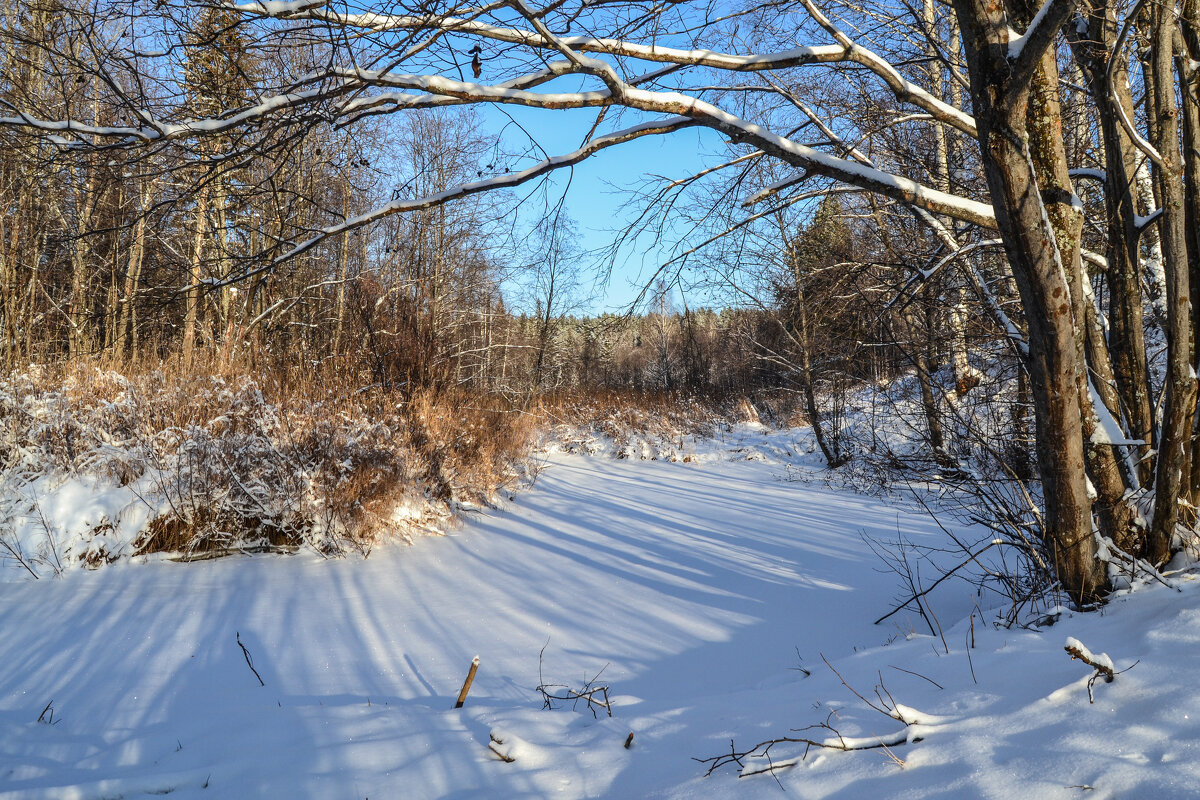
(496, 745)
(1101, 663)
(462, 695)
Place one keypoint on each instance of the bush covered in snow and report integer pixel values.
(95, 465)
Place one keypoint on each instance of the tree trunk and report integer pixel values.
(1126, 335)
(194, 295)
(1054, 360)
(829, 448)
(1188, 65)
(1180, 388)
(126, 341)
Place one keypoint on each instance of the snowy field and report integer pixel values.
(701, 592)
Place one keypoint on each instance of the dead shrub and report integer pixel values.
(226, 462)
(467, 442)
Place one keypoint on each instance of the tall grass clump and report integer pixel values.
(96, 463)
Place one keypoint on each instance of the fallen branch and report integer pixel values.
(495, 744)
(834, 742)
(568, 695)
(886, 705)
(1101, 663)
(594, 694)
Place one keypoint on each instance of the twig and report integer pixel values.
(249, 661)
(938, 622)
(886, 712)
(918, 595)
(919, 675)
(971, 661)
(800, 664)
(772, 767)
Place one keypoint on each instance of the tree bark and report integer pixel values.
(1054, 361)
(1126, 335)
(1180, 388)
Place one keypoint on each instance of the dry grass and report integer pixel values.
(468, 442)
(653, 424)
(229, 462)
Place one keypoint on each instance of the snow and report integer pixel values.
(1016, 44)
(1097, 175)
(1141, 222)
(1108, 430)
(708, 592)
(280, 7)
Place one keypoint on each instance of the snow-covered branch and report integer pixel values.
(1026, 50)
(904, 90)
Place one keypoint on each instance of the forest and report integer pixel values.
(304, 205)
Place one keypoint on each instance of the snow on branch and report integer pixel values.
(393, 101)
(281, 8)
(900, 86)
(1027, 49)
(1101, 663)
(684, 111)
(1108, 430)
(903, 89)
(1090, 173)
(1141, 223)
(896, 187)
(1114, 58)
(159, 131)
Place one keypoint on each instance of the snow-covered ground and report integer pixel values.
(701, 593)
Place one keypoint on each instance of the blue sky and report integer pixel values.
(600, 185)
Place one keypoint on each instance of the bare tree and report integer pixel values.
(551, 280)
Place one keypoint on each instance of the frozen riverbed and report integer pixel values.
(697, 591)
